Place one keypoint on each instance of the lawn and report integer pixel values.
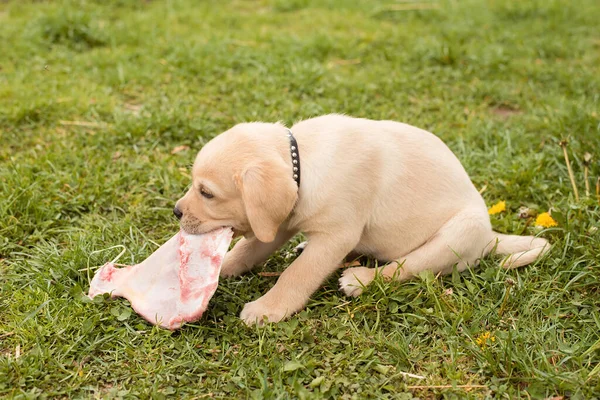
(103, 106)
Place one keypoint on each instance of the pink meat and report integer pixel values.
(174, 284)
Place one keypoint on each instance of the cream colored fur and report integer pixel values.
(381, 188)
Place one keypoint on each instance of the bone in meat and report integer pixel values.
(174, 284)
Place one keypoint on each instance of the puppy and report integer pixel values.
(380, 188)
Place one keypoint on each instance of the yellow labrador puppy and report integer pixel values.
(381, 188)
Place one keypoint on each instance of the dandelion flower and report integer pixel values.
(497, 208)
(545, 220)
(482, 340)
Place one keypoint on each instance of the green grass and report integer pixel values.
(502, 82)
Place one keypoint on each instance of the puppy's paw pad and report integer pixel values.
(255, 313)
(353, 280)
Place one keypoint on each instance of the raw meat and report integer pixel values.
(174, 284)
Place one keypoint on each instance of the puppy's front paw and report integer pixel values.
(230, 272)
(254, 312)
(354, 280)
(232, 268)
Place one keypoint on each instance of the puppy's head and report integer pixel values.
(240, 179)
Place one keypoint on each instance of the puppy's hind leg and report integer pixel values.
(461, 240)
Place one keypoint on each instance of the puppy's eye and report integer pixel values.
(204, 193)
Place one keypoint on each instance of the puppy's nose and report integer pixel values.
(177, 212)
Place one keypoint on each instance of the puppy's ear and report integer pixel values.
(269, 194)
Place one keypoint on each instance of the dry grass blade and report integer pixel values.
(411, 7)
(269, 273)
(86, 124)
(335, 62)
(587, 160)
(447, 386)
(179, 149)
(409, 375)
(563, 143)
(5, 335)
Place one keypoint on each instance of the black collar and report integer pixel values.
(295, 157)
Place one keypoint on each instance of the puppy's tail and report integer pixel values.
(520, 250)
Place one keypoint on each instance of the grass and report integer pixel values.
(94, 96)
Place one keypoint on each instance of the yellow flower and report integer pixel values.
(497, 208)
(545, 220)
(482, 340)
